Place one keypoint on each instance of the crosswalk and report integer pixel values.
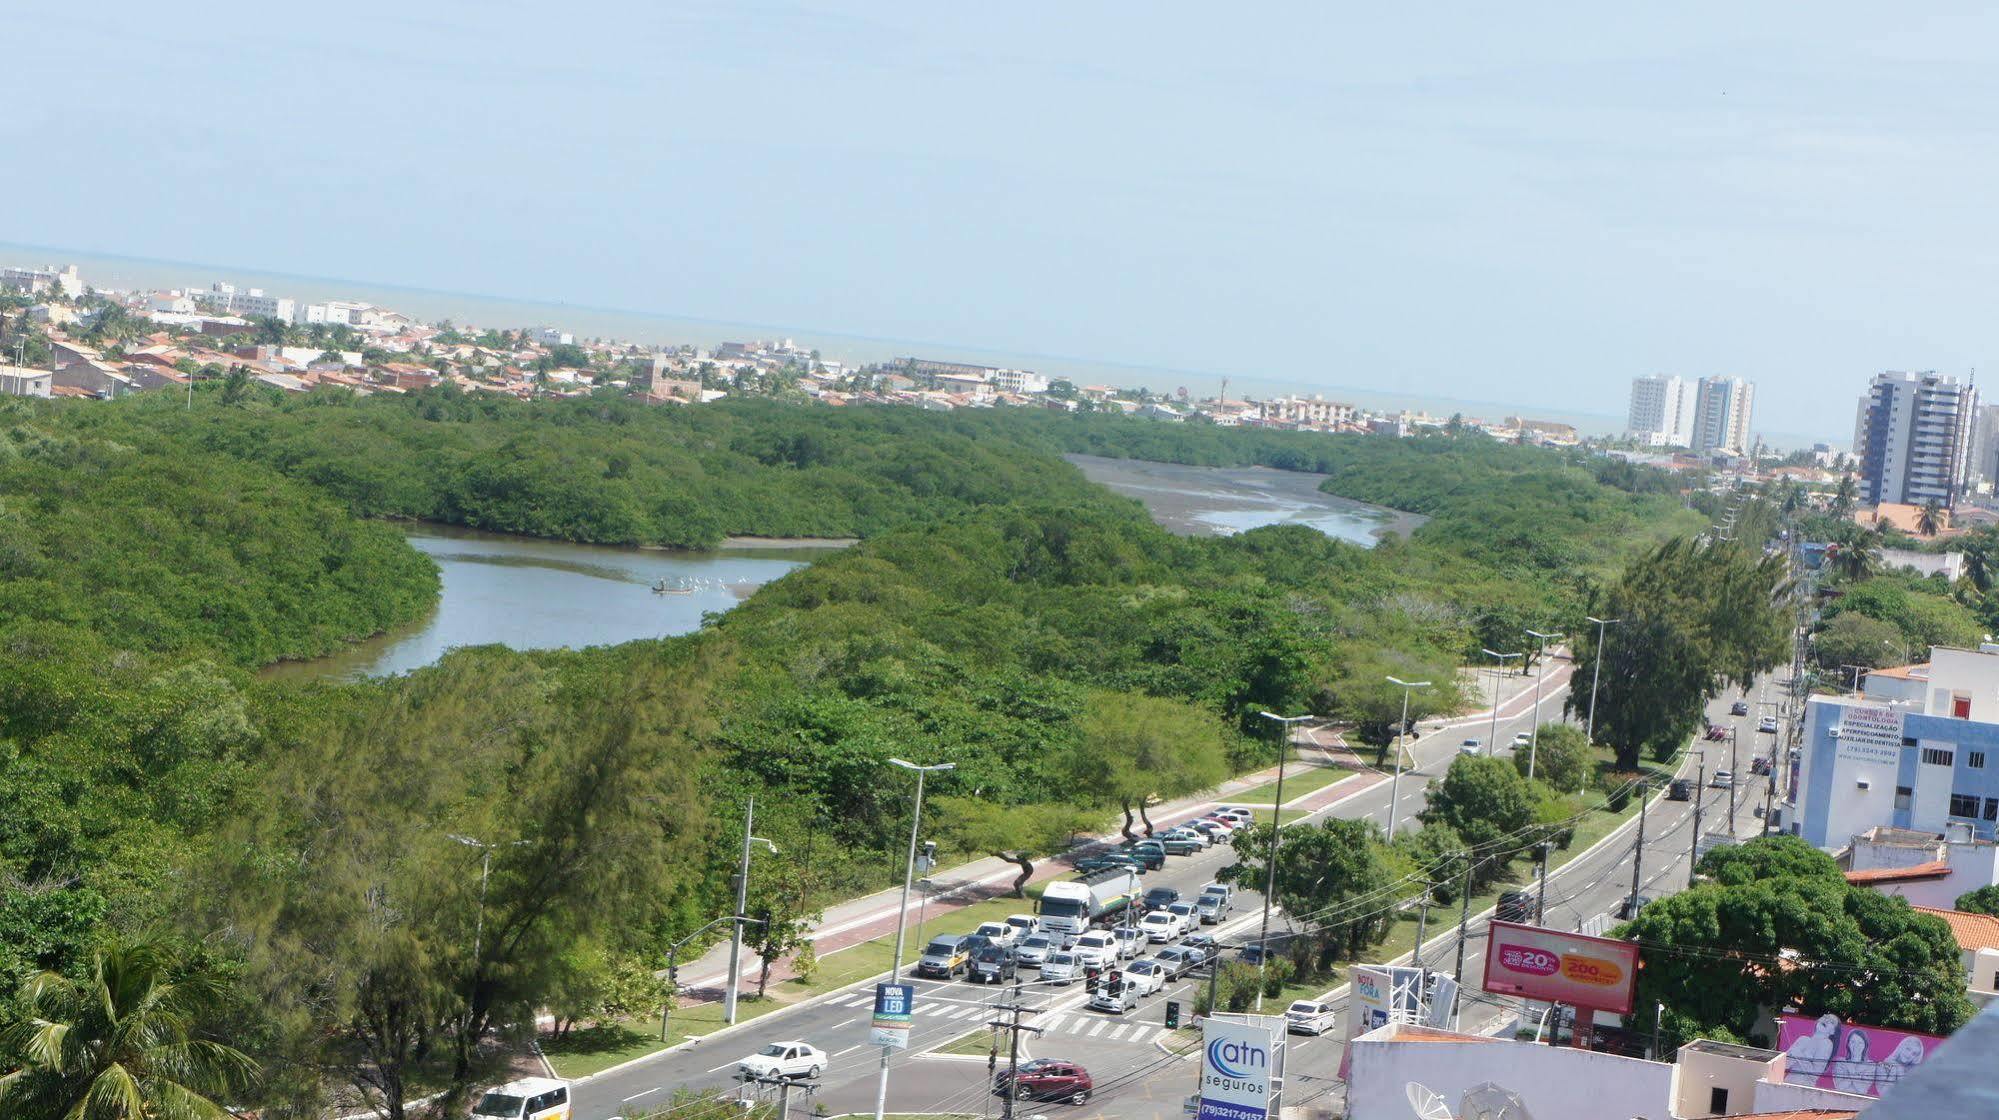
(1095, 1026)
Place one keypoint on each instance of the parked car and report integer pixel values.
(1177, 961)
(1471, 746)
(783, 1059)
(1721, 779)
(1739, 708)
(1034, 948)
(1767, 725)
(1682, 789)
(1023, 925)
(1130, 942)
(1229, 825)
(1148, 974)
(1159, 927)
(1109, 861)
(1250, 954)
(1514, 906)
(1148, 852)
(999, 933)
(1047, 1079)
(1189, 832)
(1237, 812)
(1184, 912)
(1215, 830)
(1059, 967)
(1182, 842)
(994, 964)
(1307, 1016)
(1159, 898)
(945, 957)
(1096, 949)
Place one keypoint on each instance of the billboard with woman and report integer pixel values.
(1852, 1058)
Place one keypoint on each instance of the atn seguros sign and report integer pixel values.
(1236, 1061)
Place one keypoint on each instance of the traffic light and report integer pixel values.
(1172, 1014)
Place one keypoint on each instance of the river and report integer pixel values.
(540, 594)
(1218, 501)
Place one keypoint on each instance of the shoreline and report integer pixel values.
(733, 543)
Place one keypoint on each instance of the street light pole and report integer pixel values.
(1270, 873)
(485, 875)
(1600, 624)
(1499, 661)
(1540, 671)
(1395, 787)
(742, 902)
(902, 913)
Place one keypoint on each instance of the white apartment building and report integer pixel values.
(1315, 411)
(550, 336)
(1020, 381)
(21, 381)
(249, 302)
(1722, 407)
(1912, 435)
(1662, 411)
(334, 311)
(35, 280)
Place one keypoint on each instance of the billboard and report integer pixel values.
(1545, 964)
(1870, 735)
(1831, 1054)
(894, 1003)
(1236, 1060)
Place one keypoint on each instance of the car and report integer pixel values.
(1739, 708)
(1682, 789)
(1628, 906)
(1189, 832)
(1522, 739)
(1514, 906)
(1148, 974)
(1023, 925)
(1721, 779)
(1716, 733)
(1060, 967)
(1209, 908)
(1207, 945)
(1472, 747)
(1237, 812)
(1159, 898)
(1767, 725)
(945, 957)
(1182, 843)
(1117, 994)
(1184, 912)
(1147, 852)
(1096, 949)
(1250, 954)
(530, 1098)
(1130, 942)
(1216, 830)
(1759, 766)
(1229, 825)
(999, 933)
(1223, 891)
(1034, 948)
(1159, 927)
(1111, 861)
(1046, 1079)
(794, 1060)
(994, 964)
(1308, 1016)
(1177, 961)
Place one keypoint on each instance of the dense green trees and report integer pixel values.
(1779, 926)
(1984, 900)
(1333, 879)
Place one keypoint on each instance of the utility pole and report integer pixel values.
(1541, 896)
(1270, 873)
(1596, 676)
(1422, 919)
(742, 902)
(1534, 717)
(1638, 852)
(1498, 670)
(1734, 761)
(902, 914)
(1013, 1030)
(1464, 919)
(1395, 787)
(1770, 789)
(1694, 848)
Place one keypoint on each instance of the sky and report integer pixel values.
(1453, 199)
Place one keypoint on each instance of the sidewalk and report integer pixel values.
(864, 919)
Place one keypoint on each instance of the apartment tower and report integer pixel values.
(1913, 438)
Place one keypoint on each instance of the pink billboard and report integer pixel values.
(1594, 972)
(1832, 1054)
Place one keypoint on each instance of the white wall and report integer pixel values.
(1555, 1083)
(1782, 1096)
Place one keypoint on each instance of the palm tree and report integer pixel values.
(1859, 557)
(1842, 498)
(1930, 518)
(120, 1045)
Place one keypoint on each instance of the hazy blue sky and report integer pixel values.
(1470, 200)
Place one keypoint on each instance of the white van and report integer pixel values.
(530, 1098)
(1309, 1017)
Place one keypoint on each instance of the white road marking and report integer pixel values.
(1141, 1034)
(1099, 1029)
(850, 1049)
(1120, 1031)
(844, 1022)
(647, 1093)
(1054, 1023)
(964, 1011)
(723, 1066)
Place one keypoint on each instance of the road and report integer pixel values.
(918, 1083)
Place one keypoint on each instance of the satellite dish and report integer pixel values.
(1427, 1102)
(1486, 1101)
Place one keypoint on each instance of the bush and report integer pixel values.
(1277, 972)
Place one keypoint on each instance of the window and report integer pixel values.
(1717, 1101)
(1903, 794)
(1934, 756)
(1908, 742)
(1992, 808)
(1960, 707)
(1975, 760)
(1964, 805)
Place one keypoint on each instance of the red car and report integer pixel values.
(1047, 1079)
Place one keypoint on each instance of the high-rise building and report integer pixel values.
(1662, 411)
(1721, 415)
(1913, 438)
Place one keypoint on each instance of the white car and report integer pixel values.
(999, 933)
(783, 1059)
(1524, 738)
(1186, 915)
(1059, 967)
(1471, 747)
(1117, 998)
(1130, 942)
(1096, 949)
(1159, 927)
(1147, 975)
(1721, 779)
(1236, 812)
(1188, 833)
(1023, 925)
(1309, 1017)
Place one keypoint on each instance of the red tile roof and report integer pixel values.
(1934, 869)
(1973, 931)
(1795, 1114)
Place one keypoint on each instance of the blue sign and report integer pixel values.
(1235, 1071)
(894, 1004)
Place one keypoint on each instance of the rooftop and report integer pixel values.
(1730, 1050)
(1934, 869)
(1919, 672)
(1973, 931)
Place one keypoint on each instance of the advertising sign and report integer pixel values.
(1831, 1054)
(1870, 735)
(1235, 1071)
(894, 1003)
(1545, 964)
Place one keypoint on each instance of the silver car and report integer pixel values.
(1034, 949)
(1059, 967)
